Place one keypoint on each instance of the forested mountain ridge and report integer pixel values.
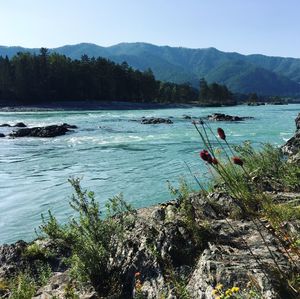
(241, 73)
(44, 77)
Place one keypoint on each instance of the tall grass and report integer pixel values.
(246, 174)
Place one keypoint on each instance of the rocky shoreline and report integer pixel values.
(165, 249)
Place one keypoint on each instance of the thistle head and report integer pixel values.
(237, 161)
(221, 133)
(206, 156)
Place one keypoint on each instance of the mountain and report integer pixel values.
(265, 75)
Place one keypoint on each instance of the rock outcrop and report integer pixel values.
(292, 146)
(225, 117)
(43, 132)
(155, 121)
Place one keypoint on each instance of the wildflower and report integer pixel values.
(214, 292)
(206, 156)
(228, 292)
(214, 161)
(219, 286)
(235, 289)
(221, 133)
(237, 161)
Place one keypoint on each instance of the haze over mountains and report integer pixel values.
(262, 74)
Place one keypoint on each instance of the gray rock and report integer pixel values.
(292, 146)
(225, 117)
(44, 132)
(20, 125)
(155, 120)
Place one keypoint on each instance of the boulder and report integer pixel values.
(5, 125)
(44, 132)
(225, 117)
(20, 125)
(155, 120)
(2, 135)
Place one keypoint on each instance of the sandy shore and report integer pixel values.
(87, 105)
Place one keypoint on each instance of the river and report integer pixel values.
(113, 154)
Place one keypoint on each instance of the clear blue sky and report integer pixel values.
(270, 27)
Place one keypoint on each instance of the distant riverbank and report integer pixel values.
(7, 106)
(89, 105)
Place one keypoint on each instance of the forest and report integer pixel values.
(40, 78)
(30, 78)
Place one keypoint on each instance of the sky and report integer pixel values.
(270, 27)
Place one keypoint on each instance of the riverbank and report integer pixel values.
(6, 106)
(88, 105)
(201, 245)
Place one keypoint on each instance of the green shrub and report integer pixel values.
(92, 238)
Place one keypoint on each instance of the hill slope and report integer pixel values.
(243, 73)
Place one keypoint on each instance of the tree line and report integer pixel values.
(46, 77)
(215, 94)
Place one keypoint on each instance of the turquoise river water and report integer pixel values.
(113, 154)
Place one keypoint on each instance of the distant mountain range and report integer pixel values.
(262, 74)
